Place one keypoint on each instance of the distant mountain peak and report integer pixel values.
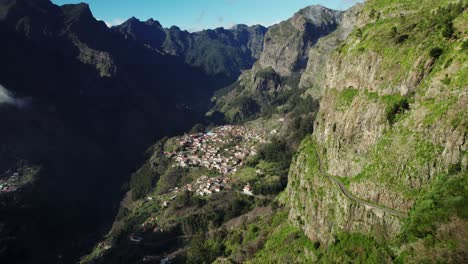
(132, 20)
(78, 12)
(319, 15)
(175, 28)
(154, 23)
(78, 9)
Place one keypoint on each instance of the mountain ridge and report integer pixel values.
(339, 136)
(90, 87)
(239, 45)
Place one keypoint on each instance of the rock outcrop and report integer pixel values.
(320, 208)
(287, 44)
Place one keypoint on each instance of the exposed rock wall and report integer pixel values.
(287, 44)
(319, 207)
(313, 77)
(392, 118)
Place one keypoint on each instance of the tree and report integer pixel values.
(197, 128)
(447, 30)
(436, 52)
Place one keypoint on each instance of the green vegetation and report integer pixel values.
(446, 198)
(395, 105)
(404, 161)
(142, 181)
(435, 230)
(346, 97)
(268, 238)
(435, 29)
(285, 244)
(242, 109)
(197, 128)
(437, 109)
(282, 31)
(146, 177)
(356, 248)
(436, 52)
(267, 73)
(203, 250)
(401, 147)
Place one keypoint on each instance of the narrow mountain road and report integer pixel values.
(346, 192)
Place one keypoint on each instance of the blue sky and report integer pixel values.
(196, 15)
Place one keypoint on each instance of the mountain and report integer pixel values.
(285, 55)
(345, 142)
(220, 51)
(87, 103)
(377, 96)
(386, 163)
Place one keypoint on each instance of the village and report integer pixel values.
(8, 185)
(204, 186)
(12, 180)
(223, 149)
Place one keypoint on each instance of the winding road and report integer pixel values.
(350, 195)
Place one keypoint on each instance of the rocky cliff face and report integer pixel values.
(319, 207)
(284, 58)
(313, 77)
(287, 44)
(392, 118)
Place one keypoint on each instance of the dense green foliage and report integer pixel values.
(395, 105)
(146, 177)
(284, 244)
(265, 239)
(436, 52)
(204, 250)
(197, 128)
(246, 109)
(355, 248)
(267, 73)
(446, 198)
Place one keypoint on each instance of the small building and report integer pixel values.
(247, 189)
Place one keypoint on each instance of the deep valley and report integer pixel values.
(334, 136)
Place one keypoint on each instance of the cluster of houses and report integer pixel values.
(223, 149)
(13, 179)
(9, 184)
(206, 186)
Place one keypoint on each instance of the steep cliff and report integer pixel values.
(313, 77)
(392, 121)
(287, 43)
(303, 41)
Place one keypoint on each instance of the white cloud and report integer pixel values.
(114, 22)
(7, 98)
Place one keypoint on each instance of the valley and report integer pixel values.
(333, 136)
